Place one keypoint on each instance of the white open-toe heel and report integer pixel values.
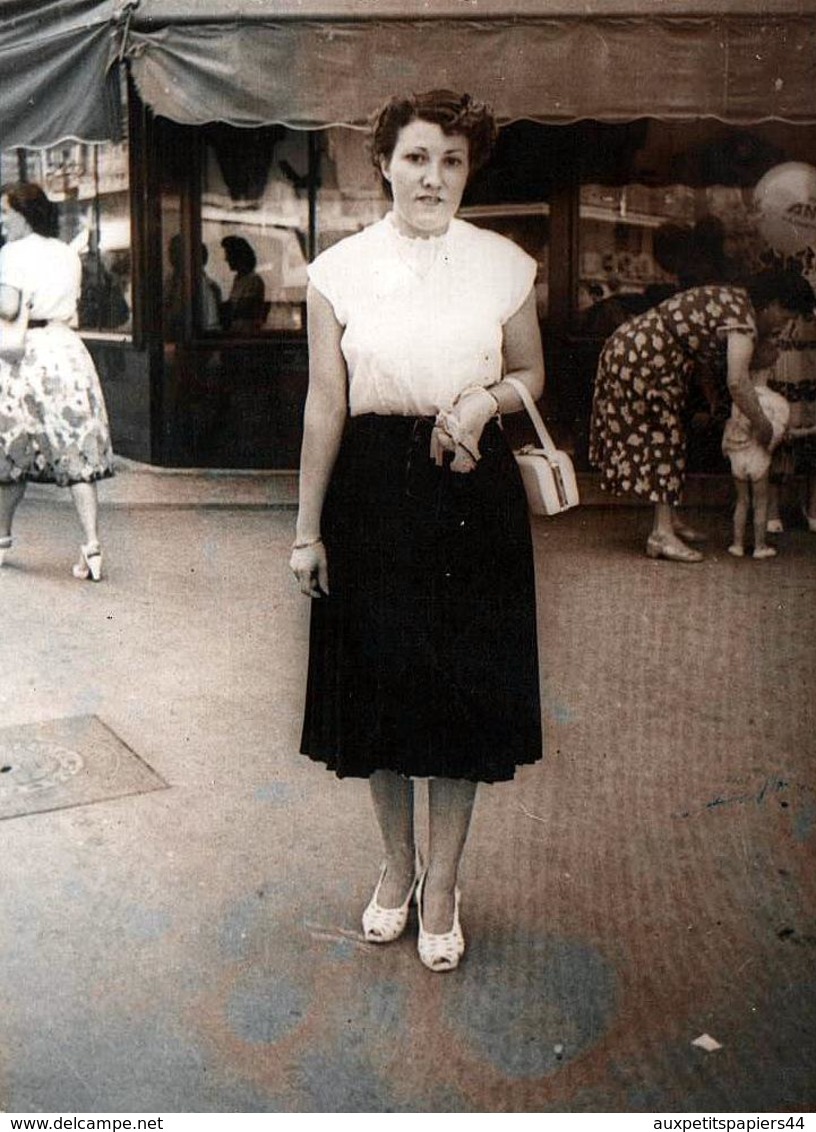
(384, 925)
(5, 547)
(440, 952)
(90, 563)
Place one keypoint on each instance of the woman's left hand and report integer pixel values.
(459, 429)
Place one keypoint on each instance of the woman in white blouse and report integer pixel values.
(53, 422)
(412, 531)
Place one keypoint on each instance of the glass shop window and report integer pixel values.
(254, 230)
(631, 238)
(669, 206)
(90, 186)
(511, 195)
(350, 195)
(639, 245)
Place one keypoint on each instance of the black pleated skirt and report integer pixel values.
(423, 660)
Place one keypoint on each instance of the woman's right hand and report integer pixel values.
(310, 566)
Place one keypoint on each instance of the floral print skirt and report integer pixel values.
(637, 435)
(53, 421)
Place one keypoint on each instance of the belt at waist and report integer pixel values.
(37, 323)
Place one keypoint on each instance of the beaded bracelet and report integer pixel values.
(306, 543)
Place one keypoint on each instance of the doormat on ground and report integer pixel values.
(67, 762)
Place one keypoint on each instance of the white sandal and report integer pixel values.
(440, 952)
(90, 563)
(384, 925)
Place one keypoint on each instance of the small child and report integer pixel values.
(750, 464)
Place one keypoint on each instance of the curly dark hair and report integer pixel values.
(28, 198)
(453, 113)
(787, 287)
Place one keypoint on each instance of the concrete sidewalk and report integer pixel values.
(142, 485)
(190, 942)
(138, 485)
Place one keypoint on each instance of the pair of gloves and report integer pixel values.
(459, 429)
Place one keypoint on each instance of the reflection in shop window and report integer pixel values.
(640, 244)
(350, 195)
(254, 224)
(89, 185)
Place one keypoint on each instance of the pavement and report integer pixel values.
(182, 890)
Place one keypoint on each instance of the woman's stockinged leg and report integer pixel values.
(87, 507)
(11, 495)
(663, 525)
(664, 541)
(450, 806)
(393, 798)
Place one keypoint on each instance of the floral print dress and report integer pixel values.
(53, 421)
(637, 434)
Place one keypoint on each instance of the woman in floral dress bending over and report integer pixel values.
(637, 435)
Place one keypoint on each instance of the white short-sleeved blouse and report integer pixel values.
(47, 272)
(422, 318)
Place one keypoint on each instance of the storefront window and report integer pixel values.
(685, 216)
(273, 198)
(254, 225)
(89, 184)
(350, 195)
(511, 195)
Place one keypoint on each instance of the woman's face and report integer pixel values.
(771, 320)
(427, 171)
(15, 225)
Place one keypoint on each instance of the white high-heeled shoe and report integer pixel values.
(384, 925)
(5, 546)
(440, 952)
(90, 563)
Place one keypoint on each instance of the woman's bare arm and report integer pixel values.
(739, 354)
(523, 356)
(9, 302)
(323, 423)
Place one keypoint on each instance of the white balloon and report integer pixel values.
(785, 198)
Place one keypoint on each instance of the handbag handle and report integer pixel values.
(538, 423)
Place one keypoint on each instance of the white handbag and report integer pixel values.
(546, 472)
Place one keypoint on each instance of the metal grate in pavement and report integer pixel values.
(62, 763)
